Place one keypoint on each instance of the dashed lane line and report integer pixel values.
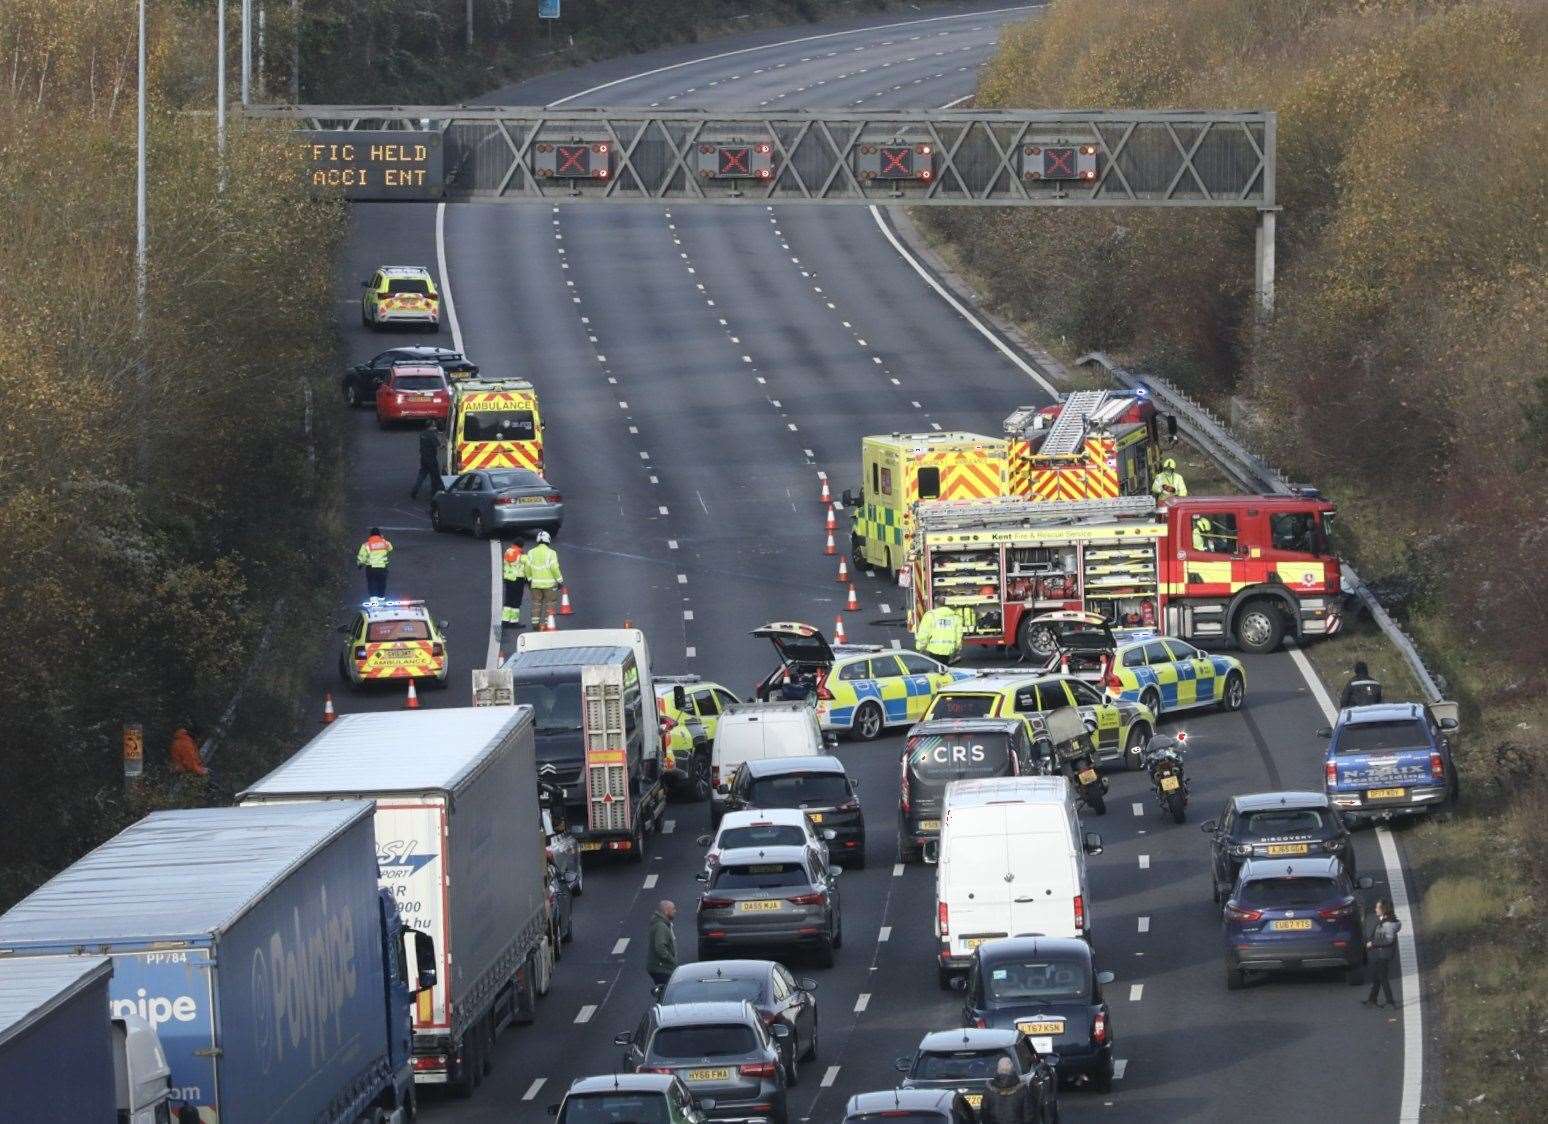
(532, 1089)
(585, 1013)
(651, 880)
(1144, 862)
(1136, 992)
(1144, 924)
(830, 1076)
(619, 945)
(862, 1001)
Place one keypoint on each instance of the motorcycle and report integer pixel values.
(1163, 759)
(1064, 749)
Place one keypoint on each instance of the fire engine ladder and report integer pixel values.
(995, 514)
(1069, 430)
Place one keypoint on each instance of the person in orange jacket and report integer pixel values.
(184, 752)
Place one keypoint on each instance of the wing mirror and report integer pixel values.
(366, 284)
(931, 851)
(1093, 843)
(848, 496)
(806, 983)
(624, 1039)
(702, 876)
(1325, 732)
(704, 840)
(780, 1031)
(424, 961)
(679, 698)
(1105, 978)
(834, 871)
(1449, 724)
(553, 1110)
(902, 1065)
(1207, 827)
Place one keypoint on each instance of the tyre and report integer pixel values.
(1151, 701)
(838, 934)
(869, 722)
(524, 997)
(1034, 643)
(811, 1047)
(1177, 805)
(1236, 979)
(1259, 627)
(1214, 890)
(435, 517)
(1235, 692)
(857, 552)
(468, 1069)
(486, 1052)
(580, 880)
(792, 1070)
(1134, 746)
(637, 852)
(479, 530)
(1102, 1079)
(543, 966)
(701, 775)
(943, 978)
(855, 861)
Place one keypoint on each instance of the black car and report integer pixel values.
(909, 1106)
(777, 996)
(817, 785)
(1048, 989)
(1275, 825)
(966, 1060)
(941, 750)
(361, 380)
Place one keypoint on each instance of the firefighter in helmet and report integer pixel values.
(1169, 484)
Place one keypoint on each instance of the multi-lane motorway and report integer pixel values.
(698, 368)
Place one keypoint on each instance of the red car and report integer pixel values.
(412, 392)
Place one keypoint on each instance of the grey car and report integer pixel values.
(767, 896)
(723, 1053)
(656, 1097)
(909, 1106)
(778, 996)
(488, 501)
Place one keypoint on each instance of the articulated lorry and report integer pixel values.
(598, 733)
(64, 1056)
(458, 837)
(256, 944)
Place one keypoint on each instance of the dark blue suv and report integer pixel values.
(1391, 759)
(1293, 915)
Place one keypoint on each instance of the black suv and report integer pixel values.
(941, 750)
(360, 381)
(818, 786)
(1274, 825)
(966, 1060)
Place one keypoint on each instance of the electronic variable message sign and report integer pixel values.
(388, 164)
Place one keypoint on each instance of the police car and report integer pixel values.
(1164, 674)
(689, 708)
(1119, 727)
(400, 294)
(393, 640)
(861, 688)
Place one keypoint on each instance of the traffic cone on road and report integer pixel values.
(843, 574)
(550, 625)
(411, 702)
(564, 601)
(628, 623)
(838, 631)
(832, 522)
(827, 496)
(830, 549)
(853, 604)
(328, 715)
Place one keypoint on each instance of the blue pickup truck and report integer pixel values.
(1390, 760)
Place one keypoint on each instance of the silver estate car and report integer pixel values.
(761, 896)
(729, 1060)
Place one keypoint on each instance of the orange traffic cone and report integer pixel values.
(412, 701)
(830, 549)
(838, 631)
(328, 714)
(853, 604)
(550, 625)
(843, 574)
(827, 496)
(564, 601)
(832, 524)
(628, 623)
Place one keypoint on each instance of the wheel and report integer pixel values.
(857, 552)
(637, 852)
(1214, 889)
(792, 1070)
(568, 933)
(344, 672)
(701, 775)
(855, 861)
(1235, 692)
(943, 978)
(1102, 1079)
(436, 523)
(479, 530)
(1035, 643)
(1177, 804)
(838, 934)
(543, 966)
(1236, 979)
(811, 1047)
(869, 722)
(486, 1050)
(1134, 747)
(1151, 701)
(1259, 627)
(580, 880)
(825, 955)
(524, 996)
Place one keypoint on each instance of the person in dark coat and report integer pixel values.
(661, 944)
(1361, 690)
(429, 460)
(1380, 952)
(1006, 1100)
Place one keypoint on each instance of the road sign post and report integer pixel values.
(133, 753)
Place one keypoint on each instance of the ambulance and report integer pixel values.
(392, 639)
(493, 423)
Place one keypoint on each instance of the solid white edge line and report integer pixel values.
(446, 291)
(787, 43)
(1408, 949)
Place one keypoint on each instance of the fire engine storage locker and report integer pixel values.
(460, 845)
(249, 939)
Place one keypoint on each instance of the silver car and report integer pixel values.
(763, 896)
(488, 501)
(729, 1060)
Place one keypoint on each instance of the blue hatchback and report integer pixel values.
(1293, 915)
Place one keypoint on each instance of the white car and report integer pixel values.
(766, 827)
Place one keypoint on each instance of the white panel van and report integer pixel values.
(754, 732)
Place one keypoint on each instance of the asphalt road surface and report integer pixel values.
(698, 368)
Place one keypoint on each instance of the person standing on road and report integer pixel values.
(544, 577)
(1381, 950)
(940, 633)
(513, 572)
(661, 944)
(372, 557)
(429, 460)
(1361, 690)
(1006, 1100)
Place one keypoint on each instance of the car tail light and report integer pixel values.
(756, 1069)
(1080, 911)
(1236, 913)
(1437, 766)
(942, 919)
(809, 899)
(1330, 773)
(1337, 912)
(715, 903)
(504, 501)
(555, 497)
(715, 775)
(437, 649)
(903, 790)
(1099, 1027)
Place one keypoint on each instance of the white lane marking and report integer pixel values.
(671, 544)
(1144, 862)
(781, 43)
(897, 870)
(687, 614)
(829, 1077)
(532, 1089)
(1139, 809)
(585, 1013)
(1119, 1065)
(1144, 924)
(440, 262)
(1136, 992)
(682, 579)
(862, 1001)
(496, 589)
(885, 934)
(691, 652)
(884, 607)
(1408, 949)
(651, 880)
(619, 945)
(668, 827)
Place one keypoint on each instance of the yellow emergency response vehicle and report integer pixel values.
(493, 423)
(392, 639)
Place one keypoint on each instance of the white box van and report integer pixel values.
(1011, 863)
(754, 732)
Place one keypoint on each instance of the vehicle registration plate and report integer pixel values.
(591, 846)
(929, 825)
(1086, 776)
(708, 1074)
(761, 906)
(1170, 784)
(1052, 1026)
(1385, 793)
(973, 942)
(815, 817)
(1286, 849)
(1294, 925)
(529, 499)
(974, 1099)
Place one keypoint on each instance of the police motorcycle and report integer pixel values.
(1163, 759)
(1062, 747)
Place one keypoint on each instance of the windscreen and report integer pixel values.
(1281, 821)
(418, 382)
(1287, 893)
(714, 990)
(935, 760)
(382, 632)
(409, 285)
(962, 706)
(497, 425)
(817, 790)
(896, 1116)
(760, 876)
(616, 1108)
(1037, 979)
(556, 704)
(958, 1064)
(673, 1042)
(1379, 737)
(766, 835)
